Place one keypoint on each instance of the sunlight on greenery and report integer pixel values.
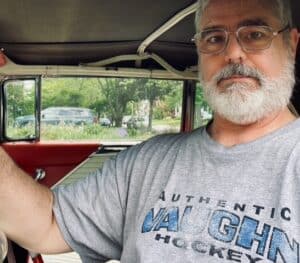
(112, 109)
(92, 132)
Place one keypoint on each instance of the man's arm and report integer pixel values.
(26, 214)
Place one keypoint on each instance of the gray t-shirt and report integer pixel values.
(185, 198)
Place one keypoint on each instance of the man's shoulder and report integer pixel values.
(163, 143)
(174, 139)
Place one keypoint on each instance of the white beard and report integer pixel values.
(240, 104)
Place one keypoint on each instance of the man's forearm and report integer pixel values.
(26, 210)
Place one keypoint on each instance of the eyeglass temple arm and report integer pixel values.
(282, 30)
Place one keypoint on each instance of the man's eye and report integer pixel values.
(215, 39)
(256, 35)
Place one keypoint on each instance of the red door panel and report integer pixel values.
(56, 159)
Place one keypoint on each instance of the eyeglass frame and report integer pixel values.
(236, 32)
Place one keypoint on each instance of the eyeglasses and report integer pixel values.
(250, 38)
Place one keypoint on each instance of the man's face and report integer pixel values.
(270, 63)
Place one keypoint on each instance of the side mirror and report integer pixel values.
(21, 100)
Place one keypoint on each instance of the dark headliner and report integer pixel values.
(70, 32)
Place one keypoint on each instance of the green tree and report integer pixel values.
(75, 92)
(20, 99)
(201, 106)
(117, 93)
(153, 90)
(173, 100)
(100, 107)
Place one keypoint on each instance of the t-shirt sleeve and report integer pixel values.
(90, 214)
(95, 214)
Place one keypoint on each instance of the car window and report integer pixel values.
(20, 108)
(106, 109)
(110, 109)
(126, 110)
(203, 113)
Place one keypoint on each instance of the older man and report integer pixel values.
(225, 192)
(247, 67)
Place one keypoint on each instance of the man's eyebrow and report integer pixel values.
(247, 22)
(253, 22)
(213, 27)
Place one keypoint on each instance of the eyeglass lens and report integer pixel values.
(250, 38)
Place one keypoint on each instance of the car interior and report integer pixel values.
(133, 38)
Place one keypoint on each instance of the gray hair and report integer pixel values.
(281, 9)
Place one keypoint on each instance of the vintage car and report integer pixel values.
(59, 116)
(64, 53)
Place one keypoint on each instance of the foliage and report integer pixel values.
(158, 113)
(27, 132)
(157, 101)
(20, 99)
(117, 92)
(112, 97)
(202, 109)
(90, 132)
(155, 90)
(73, 92)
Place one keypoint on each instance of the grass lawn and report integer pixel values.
(95, 131)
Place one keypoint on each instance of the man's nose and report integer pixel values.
(234, 53)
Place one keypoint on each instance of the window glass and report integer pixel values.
(20, 104)
(203, 113)
(109, 109)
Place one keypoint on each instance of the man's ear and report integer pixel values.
(294, 40)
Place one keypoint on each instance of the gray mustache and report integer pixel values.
(238, 69)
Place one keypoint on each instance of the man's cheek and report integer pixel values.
(202, 68)
(207, 68)
(205, 74)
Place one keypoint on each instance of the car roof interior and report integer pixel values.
(118, 34)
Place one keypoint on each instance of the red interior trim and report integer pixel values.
(56, 159)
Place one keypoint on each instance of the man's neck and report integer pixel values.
(230, 134)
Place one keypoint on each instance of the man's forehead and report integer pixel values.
(237, 11)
